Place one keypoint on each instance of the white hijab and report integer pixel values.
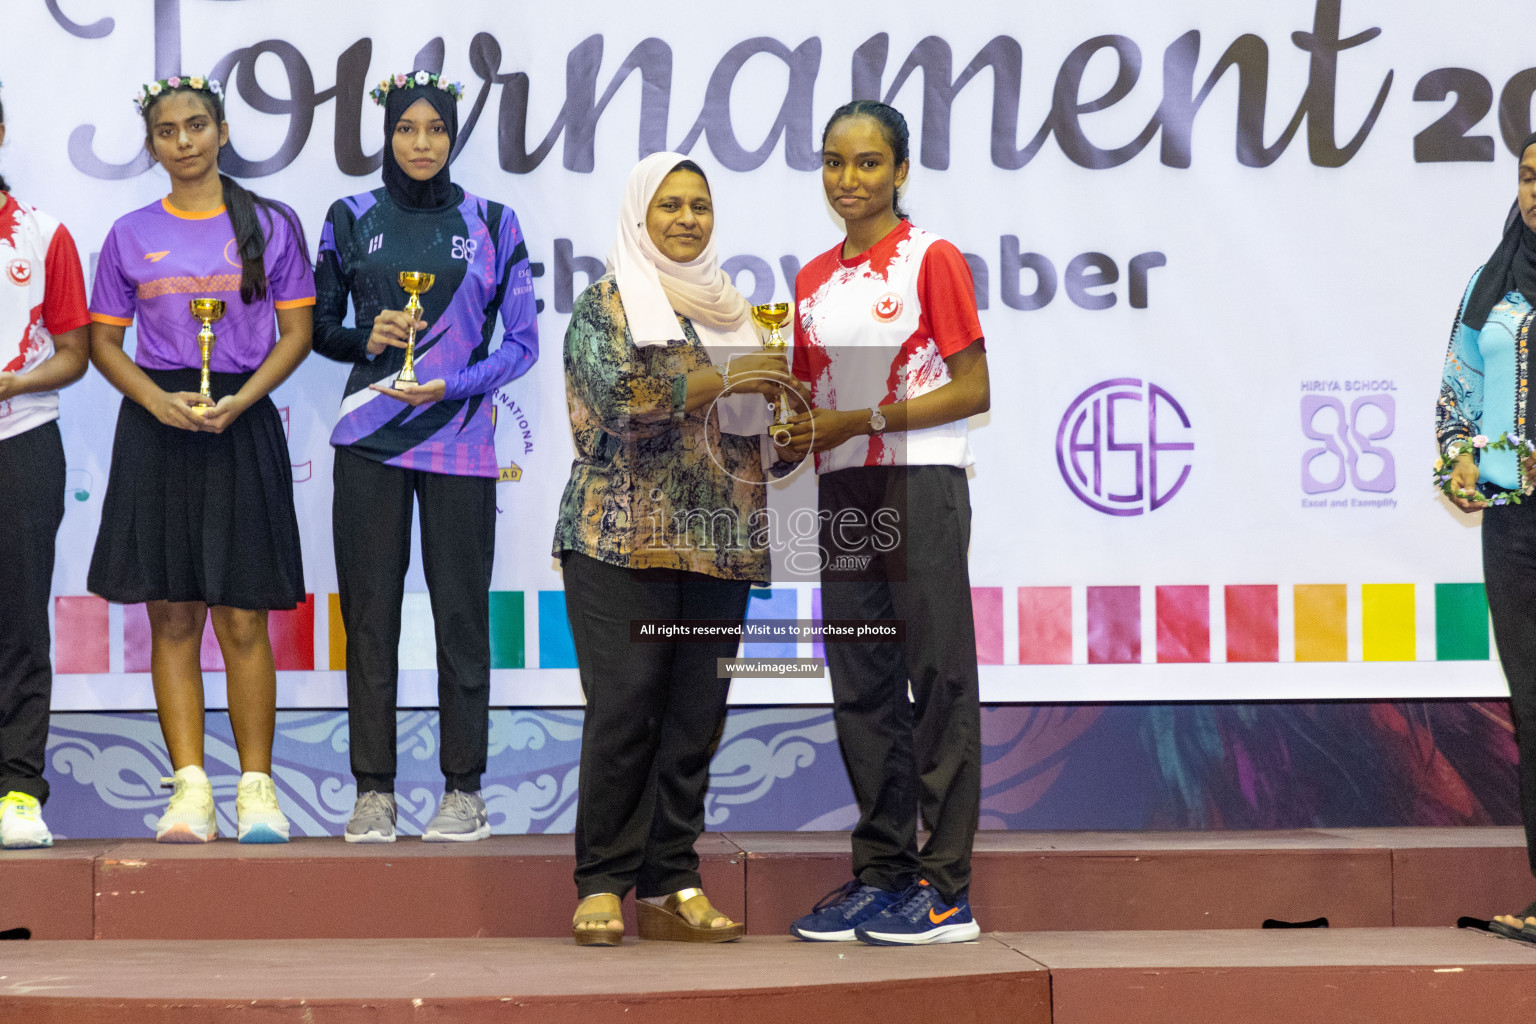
(655, 291)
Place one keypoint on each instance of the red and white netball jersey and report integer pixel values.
(876, 329)
(42, 293)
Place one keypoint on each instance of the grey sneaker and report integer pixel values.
(460, 818)
(373, 819)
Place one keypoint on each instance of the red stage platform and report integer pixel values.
(1360, 975)
(1155, 927)
(520, 886)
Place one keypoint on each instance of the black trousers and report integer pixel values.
(897, 539)
(31, 507)
(1509, 572)
(371, 520)
(654, 716)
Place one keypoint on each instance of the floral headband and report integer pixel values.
(147, 93)
(422, 79)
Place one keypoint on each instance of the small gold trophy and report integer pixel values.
(210, 312)
(770, 316)
(415, 282)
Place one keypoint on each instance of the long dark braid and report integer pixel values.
(240, 203)
(3, 186)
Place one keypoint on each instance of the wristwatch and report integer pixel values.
(876, 421)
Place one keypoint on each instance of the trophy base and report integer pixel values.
(406, 378)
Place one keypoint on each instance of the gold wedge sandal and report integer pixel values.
(667, 921)
(599, 907)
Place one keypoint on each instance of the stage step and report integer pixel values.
(1361, 975)
(532, 981)
(1075, 881)
(1358, 975)
(514, 886)
(501, 887)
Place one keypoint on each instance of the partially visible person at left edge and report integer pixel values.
(44, 345)
(198, 521)
(430, 444)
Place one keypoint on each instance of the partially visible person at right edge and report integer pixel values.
(1483, 391)
(886, 331)
(44, 345)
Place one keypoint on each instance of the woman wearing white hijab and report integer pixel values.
(662, 519)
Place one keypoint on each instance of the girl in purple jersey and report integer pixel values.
(198, 515)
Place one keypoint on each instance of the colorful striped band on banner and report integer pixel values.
(1461, 622)
(987, 610)
(1183, 624)
(81, 635)
(1114, 625)
(1045, 625)
(507, 629)
(338, 633)
(1322, 630)
(772, 604)
(1387, 624)
(818, 649)
(1253, 622)
(557, 649)
(293, 637)
(291, 632)
(1387, 627)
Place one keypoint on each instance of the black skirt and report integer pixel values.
(194, 516)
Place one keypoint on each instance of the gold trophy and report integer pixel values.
(415, 282)
(210, 312)
(770, 316)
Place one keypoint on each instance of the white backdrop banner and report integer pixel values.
(1217, 249)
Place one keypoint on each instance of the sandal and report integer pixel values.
(668, 922)
(1512, 927)
(601, 909)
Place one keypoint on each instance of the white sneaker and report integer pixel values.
(189, 817)
(261, 820)
(21, 822)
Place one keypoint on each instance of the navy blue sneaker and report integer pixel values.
(839, 912)
(920, 918)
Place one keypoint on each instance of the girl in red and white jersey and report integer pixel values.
(887, 336)
(43, 347)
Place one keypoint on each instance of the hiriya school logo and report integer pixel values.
(1347, 430)
(887, 307)
(20, 272)
(1120, 443)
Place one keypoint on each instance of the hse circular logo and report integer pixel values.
(887, 307)
(20, 272)
(1124, 447)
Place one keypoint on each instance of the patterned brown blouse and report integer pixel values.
(653, 487)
